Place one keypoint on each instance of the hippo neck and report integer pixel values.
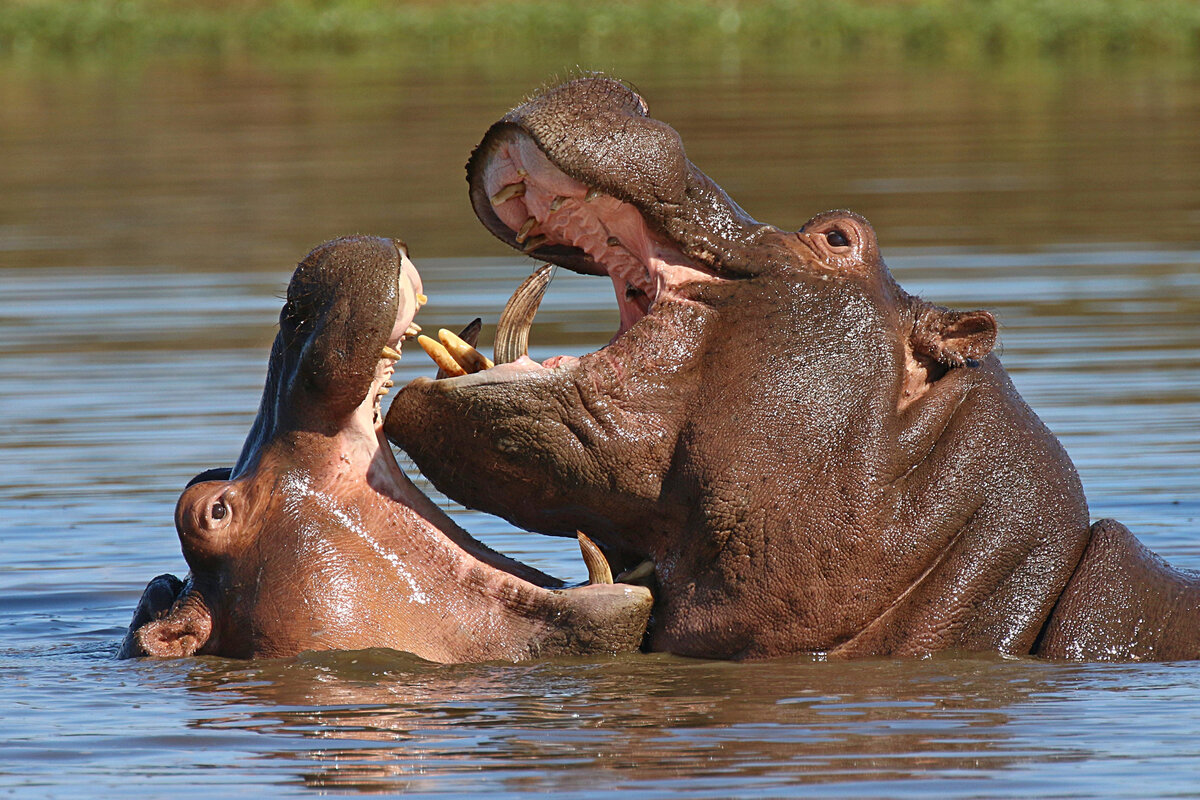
(907, 556)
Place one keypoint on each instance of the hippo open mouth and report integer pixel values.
(316, 539)
(640, 214)
(538, 208)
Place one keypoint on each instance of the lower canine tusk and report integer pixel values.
(597, 564)
(512, 331)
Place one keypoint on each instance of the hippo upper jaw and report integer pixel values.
(591, 149)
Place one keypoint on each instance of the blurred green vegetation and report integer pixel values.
(482, 31)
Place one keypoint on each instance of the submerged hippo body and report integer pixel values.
(317, 540)
(813, 459)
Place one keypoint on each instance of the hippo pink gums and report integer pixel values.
(808, 458)
(317, 540)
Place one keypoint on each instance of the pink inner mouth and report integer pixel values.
(555, 209)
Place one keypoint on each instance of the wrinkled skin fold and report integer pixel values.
(316, 540)
(813, 459)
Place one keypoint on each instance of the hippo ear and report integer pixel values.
(182, 632)
(952, 338)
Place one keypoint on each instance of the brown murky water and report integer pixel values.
(149, 219)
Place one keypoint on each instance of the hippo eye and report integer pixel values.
(219, 510)
(837, 239)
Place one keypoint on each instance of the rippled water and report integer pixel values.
(147, 229)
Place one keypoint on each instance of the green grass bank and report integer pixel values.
(793, 29)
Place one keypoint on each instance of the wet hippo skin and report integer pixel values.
(316, 540)
(812, 459)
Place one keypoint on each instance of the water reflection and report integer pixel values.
(388, 722)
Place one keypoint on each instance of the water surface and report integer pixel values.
(149, 222)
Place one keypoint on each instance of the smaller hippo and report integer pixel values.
(316, 539)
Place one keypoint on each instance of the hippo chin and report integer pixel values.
(317, 540)
(813, 459)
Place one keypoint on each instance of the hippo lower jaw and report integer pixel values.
(519, 612)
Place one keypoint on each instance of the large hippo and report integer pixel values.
(813, 459)
(317, 540)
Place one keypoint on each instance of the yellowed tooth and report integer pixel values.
(556, 203)
(467, 356)
(522, 172)
(421, 300)
(512, 330)
(412, 330)
(640, 572)
(383, 391)
(592, 194)
(441, 357)
(508, 193)
(597, 564)
(388, 384)
(390, 353)
(533, 243)
(525, 229)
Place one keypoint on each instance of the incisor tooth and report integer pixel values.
(642, 570)
(533, 243)
(525, 229)
(383, 391)
(556, 203)
(389, 353)
(470, 335)
(421, 300)
(388, 384)
(412, 330)
(467, 356)
(508, 193)
(441, 357)
(597, 564)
